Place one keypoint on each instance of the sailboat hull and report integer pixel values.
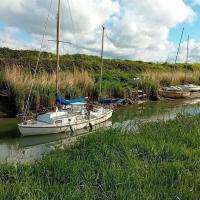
(39, 129)
(190, 88)
(174, 94)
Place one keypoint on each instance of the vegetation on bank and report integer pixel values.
(159, 161)
(79, 76)
(18, 81)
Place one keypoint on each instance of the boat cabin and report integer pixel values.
(65, 115)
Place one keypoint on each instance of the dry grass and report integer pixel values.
(21, 78)
(173, 78)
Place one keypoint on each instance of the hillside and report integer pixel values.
(28, 59)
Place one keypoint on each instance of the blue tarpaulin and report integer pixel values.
(108, 101)
(61, 101)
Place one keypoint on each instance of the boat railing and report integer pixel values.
(69, 110)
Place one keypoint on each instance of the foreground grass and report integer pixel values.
(160, 161)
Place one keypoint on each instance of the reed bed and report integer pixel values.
(167, 78)
(18, 81)
(15, 75)
(76, 83)
(159, 161)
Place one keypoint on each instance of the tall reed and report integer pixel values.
(167, 78)
(71, 84)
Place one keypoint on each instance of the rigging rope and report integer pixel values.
(38, 60)
(74, 31)
(70, 13)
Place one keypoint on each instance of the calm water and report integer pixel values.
(27, 149)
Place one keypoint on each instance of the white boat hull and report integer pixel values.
(174, 94)
(190, 88)
(27, 130)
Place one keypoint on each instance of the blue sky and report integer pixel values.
(138, 30)
(20, 35)
(191, 28)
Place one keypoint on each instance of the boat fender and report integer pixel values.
(91, 127)
(71, 129)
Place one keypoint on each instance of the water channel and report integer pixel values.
(14, 149)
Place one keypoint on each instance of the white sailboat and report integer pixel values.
(175, 92)
(189, 87)
(76, 116)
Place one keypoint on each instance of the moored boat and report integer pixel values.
(173, 92)
(109, 101)
(190, 87)
(78, 116)
(74, 116)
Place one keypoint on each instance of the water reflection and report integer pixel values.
(126, 119)
(152, 112)
(29, 149)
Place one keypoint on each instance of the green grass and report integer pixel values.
(118, 76)
(28, 59)
(159, 161)
(115, 84)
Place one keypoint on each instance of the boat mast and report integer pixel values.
(186, 67)
(102, 48)
(179, 46)
(57, 45)
(177, 54)
(188, 41)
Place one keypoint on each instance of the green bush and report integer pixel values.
(150, 88)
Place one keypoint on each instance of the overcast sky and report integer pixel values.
(135, 29)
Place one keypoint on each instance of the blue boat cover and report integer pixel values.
(108, 101)
(61, 101)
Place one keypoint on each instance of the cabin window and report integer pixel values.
(58, 121)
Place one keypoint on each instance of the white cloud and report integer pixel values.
(136, 29)
(30, 15)
(13, 6)
(145, 26)
(9, 38)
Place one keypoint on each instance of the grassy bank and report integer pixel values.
(79, 76)
(17, 81)
(160, 161)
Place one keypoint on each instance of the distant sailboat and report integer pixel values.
(189, 87)
(174, 92)
(76, 116)
(102, 99)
